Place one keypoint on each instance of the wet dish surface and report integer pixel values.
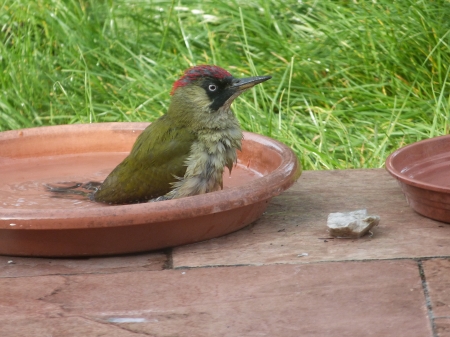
(23, 180)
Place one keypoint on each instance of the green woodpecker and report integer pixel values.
(184, 152)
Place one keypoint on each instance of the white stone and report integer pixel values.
(351, 224)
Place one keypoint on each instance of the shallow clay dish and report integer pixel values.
(423, 172)
(32, 223)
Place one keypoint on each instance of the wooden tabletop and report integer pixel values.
(281, 276)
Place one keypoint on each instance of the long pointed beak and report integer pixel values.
(242, 84)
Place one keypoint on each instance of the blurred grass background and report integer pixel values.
(352, 80)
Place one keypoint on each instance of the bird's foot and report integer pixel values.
(161, 198)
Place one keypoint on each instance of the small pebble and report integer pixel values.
(351, 224)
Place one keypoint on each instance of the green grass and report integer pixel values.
(352, 80)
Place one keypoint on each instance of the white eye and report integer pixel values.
(212, 87)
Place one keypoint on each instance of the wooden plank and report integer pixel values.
(295, 224)
(379, 298)
(11, 266)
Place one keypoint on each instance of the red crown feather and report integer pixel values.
(197, 72)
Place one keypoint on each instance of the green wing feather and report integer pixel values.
(156, 160)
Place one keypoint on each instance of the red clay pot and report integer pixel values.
(423, 172)
(34, 224)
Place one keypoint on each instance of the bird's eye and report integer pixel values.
(212, 87)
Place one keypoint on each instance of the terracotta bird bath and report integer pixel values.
(423, 172)
(35, 223)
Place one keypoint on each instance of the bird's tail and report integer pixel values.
(72, 188)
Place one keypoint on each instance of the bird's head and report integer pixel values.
(208, 90)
